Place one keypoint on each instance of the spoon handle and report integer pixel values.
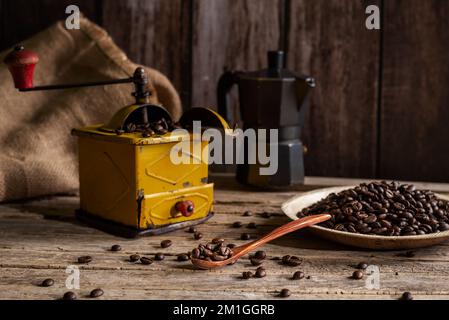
(284, 229)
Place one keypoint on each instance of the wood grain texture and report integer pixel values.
(40, 238)
(328, 40)
(415, 95)
(154, 33)
(235, 35)
(21, 19)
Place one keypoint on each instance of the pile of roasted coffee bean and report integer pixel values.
(215, 250)
(149, 129)
(383, 208)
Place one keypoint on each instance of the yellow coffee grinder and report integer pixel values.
(129, 185)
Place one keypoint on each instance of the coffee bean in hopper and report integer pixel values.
(285, 293)
(96, 293)
(146, 260)
(48, 282)
(84, 259)
(69, 295)
(159, 256)
(134, 258)
(298, 275)
(357, 275)
(166, 243)
(116, 247)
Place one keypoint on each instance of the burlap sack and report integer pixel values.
(37, 153)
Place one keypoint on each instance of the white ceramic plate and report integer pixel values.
(296, 204)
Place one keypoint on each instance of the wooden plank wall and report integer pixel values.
(380, 106)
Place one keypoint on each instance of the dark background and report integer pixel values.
(380, 109)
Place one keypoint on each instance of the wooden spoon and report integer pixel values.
(276, 233)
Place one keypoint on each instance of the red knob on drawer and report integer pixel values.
(185, 207)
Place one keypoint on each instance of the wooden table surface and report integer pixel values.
(39, 239)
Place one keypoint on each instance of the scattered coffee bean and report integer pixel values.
(357, 275)
(252, 225)
(134, 258)
(48, 282)
(260, 272)
(146, 260)
(116, 247)
(192, 230)
(383, 208)
(69, 295)
(182, 257)
(84, 259)
(292, 261)
(256, 262)
(96, 293)
(298, 275)
(247, 213)
(406, 296)
(260, 255)
(362, 265)
(159, 256)
(265, 215)
(166, 243)
(308, 277)
(285, 293)
(237, 224)
(245, 236)
(197, 235)
(247, 274)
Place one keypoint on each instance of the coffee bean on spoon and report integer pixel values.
(166, 243)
